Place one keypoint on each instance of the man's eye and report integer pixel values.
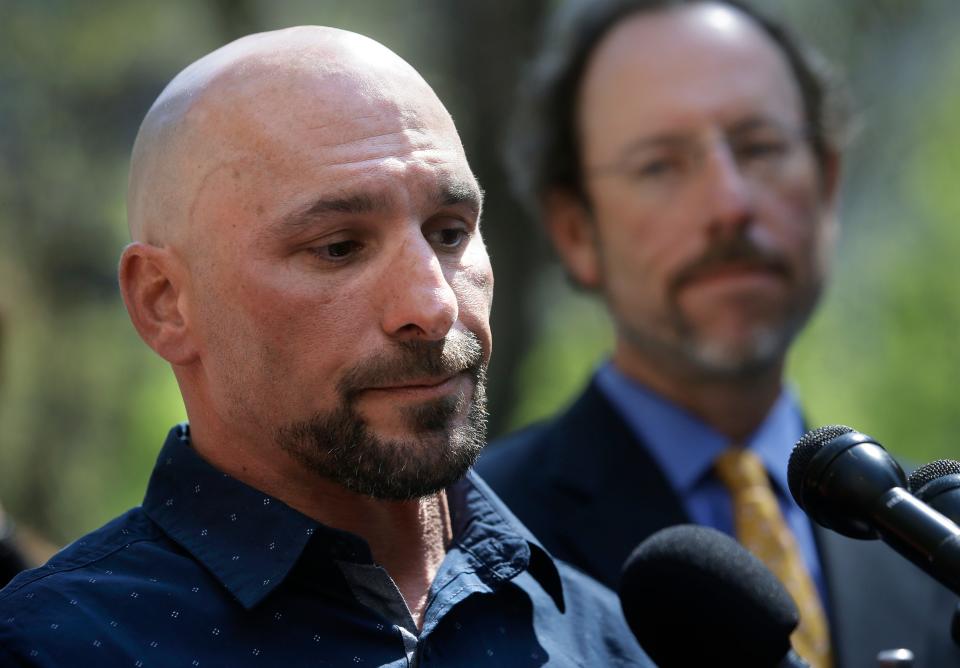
(769, 148)
(336, 251)
(449, 237)
(654, 169)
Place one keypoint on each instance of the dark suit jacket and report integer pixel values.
(591, 493)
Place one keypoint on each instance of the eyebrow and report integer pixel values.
(668, 139)
(358, 203)
(459, 192)
(449, 193)
(761, 123)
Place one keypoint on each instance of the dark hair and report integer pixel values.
(543, 152)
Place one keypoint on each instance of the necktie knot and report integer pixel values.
(739, 469)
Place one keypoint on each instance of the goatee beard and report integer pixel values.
(340, 446)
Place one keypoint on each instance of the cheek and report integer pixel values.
(800, 227)
(639, 240)
(300, 325)
(473, 285)
(638, 254)
(321, 328)
(811, 248)
(473, 277)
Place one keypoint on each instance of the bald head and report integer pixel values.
(223, 110)
(304, 219)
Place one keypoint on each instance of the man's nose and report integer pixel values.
(729, 193)
(419, 302)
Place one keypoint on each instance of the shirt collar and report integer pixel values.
(683, 445)
(247, 539)
(773, 441)
(251, 541)
(498, 544)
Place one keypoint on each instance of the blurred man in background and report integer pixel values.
(307, 256)
(684, 158)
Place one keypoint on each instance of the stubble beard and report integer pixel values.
(340, 446)
(763, 350)
(676, 336)
(675, 339)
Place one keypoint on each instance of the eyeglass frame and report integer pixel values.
(772, 155)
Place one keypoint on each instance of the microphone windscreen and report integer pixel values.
(693, 596)
(809, 445)
(837, 476)
(932, 471)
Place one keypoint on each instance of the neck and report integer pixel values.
(407, 538)
(733, 405)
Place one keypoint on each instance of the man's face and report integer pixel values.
(707, 222)
(342, 287)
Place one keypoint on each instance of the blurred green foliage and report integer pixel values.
(86, 405)
(884, 352)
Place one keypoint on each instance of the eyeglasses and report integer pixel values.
(663, 167)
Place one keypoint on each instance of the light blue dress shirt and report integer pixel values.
(685, 448)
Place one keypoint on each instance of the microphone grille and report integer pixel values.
(809, 445)
(932, 471)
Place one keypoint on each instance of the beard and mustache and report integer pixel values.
(672, 333)
(339, 445)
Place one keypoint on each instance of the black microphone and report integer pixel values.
(847, 482)
(938, 485)
(693, 596)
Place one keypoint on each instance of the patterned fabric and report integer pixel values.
(760, 527)
(211, 572)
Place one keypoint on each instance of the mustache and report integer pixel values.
(408, 361)
(740, 251)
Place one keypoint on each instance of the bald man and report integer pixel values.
(307, 257)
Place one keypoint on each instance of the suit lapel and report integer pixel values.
(622, 495)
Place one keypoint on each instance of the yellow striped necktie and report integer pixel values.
(761, 528)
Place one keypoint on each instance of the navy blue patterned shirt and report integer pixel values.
(211, 572)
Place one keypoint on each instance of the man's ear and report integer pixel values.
(830, 172)
(830, 176)
(573, 233)
(151, 282)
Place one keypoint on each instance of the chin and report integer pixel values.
(762, 351)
